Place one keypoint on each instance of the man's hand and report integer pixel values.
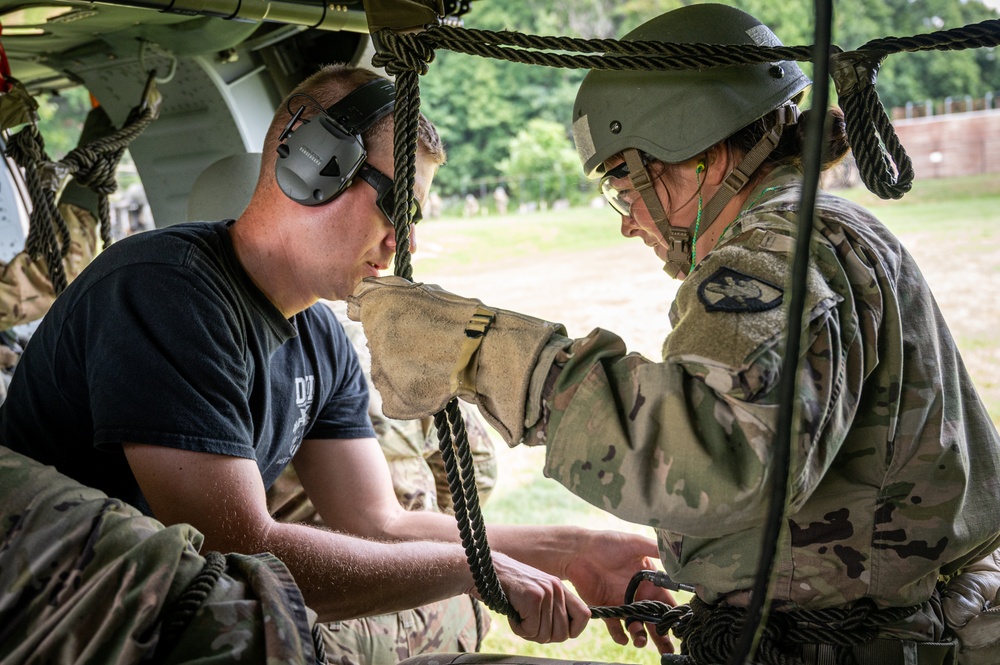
(549, 612)
(429, 345)
(602, 571)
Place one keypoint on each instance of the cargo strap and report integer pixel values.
(883, 652)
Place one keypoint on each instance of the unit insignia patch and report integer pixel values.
(731, 291)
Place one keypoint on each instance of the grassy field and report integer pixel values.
(573, 266)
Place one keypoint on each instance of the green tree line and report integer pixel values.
(509, 123)
(491, 112)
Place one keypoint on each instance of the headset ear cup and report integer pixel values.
(317, 161)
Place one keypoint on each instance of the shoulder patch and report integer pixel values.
(728, 290)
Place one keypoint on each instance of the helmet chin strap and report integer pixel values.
(679, 239)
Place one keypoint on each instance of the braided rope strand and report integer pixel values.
(27, 149)
(406, 119)
(94, 165)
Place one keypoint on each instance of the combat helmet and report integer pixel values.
(673, 116)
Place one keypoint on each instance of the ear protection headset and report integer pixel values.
(318, 160)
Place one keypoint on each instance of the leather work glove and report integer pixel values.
(429, 345)
(971, 605)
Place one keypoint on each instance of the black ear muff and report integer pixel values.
(318, 160)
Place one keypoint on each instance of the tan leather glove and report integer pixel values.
(429, 345)
(971, 605)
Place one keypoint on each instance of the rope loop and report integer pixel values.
(710, 633)
(27, 149)
(93, 165)
(397, 52)
(883, 164)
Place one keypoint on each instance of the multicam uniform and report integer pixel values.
(411, 449)
(895, 471)
(87, 578)
(26, 291)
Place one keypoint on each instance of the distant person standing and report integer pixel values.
(501, 198)
(471, 205)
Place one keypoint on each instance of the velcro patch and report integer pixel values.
(731, 291)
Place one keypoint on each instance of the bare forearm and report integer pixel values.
(343, 577)
(548, 548)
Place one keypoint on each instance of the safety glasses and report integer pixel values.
(618, 190)
(384, 197)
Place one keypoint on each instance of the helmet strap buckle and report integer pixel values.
(678, 262)
(678, 239)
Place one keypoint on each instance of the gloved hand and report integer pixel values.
(429, 345)
(971, 605)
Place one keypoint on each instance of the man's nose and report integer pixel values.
(390, 239)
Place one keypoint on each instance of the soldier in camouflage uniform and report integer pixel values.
(456, 624)
(87, 578)
(894, 487)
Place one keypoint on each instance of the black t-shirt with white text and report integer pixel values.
(165, 340)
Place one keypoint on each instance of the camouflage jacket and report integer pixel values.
(895, 465)
(88, 579)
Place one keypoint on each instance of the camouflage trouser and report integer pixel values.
(449, 625)
(88, 579)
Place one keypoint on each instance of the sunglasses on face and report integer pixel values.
(384, 197)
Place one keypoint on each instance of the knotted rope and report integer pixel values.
(884, 166)
(710, 633)
(93, 165)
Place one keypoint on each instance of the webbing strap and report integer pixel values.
(740, 176)
(640, 179)
(678, 239)
(463, 376)
(884, 652)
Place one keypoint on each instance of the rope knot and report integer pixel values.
(92, 169)
(855, 70)
(398, 53)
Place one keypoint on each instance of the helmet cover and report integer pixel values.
(674, 115)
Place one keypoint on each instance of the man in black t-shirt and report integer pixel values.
(186, 367)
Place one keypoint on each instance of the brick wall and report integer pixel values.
(952, 145)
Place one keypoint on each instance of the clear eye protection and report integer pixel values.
(617, 189)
